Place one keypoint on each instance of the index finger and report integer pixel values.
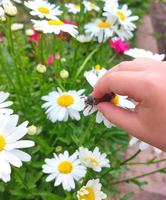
(127, 83)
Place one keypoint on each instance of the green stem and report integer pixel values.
(123, 163)
(140, 176)
(146, 163)
(85, 61)
(130, 158)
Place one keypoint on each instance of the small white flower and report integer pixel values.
(143, 145)
(84, 38)
(55, 26)
(89, 6)
(17, 26)
(73, 8)
(43, 9)
(4, 104)
(10, 143)
(141, 53)
(64, 169)
(102, 30)
(62, 105)
(93, 159)
(91, 191)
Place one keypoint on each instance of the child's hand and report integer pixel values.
(143, 80)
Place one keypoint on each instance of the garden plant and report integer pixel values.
(51, 55)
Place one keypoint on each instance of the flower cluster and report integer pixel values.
(68, 169)
(49, 18)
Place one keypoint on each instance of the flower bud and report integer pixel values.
(58, 149)
(9, 8)
(32, 130)
(41, 68)
(29, 32)
(63, 59)
(64, 74)
(17, 27)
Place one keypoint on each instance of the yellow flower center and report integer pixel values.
(77, 6)
(104, 24)
(121, 15)
(89, 196)
(55, 22)
(92, 160)
(65, 100)
(2, 142)
(98, 67)
(92, 5)
(65, 167)
(115, 100)
(43, 10)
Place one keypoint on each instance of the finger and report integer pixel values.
(139, 64)
(123, 83)
(122, 118)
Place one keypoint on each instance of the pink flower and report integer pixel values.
(34, 37)
(119, 45)
(50, 59)
(69, 22)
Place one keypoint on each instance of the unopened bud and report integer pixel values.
(41, 68)
(32, 130)
(9, 8)
(58, 149)
(17, 27)
(64, 74)
(29, 32)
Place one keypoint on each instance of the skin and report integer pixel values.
(143, 80)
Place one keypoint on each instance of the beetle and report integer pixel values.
(92, 101)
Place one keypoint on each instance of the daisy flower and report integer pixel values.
(4, 104)
(64, 169)
(92, 190)
(123, 15)
(55, 26)
(142, 145)
(102, 30)
(43, 9)
(10, 143)
(89, 6)
(92, 77)
(93, 159)
(62, 105)
(73, 8)
(141, 53)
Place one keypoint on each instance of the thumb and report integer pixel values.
(123, 118)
